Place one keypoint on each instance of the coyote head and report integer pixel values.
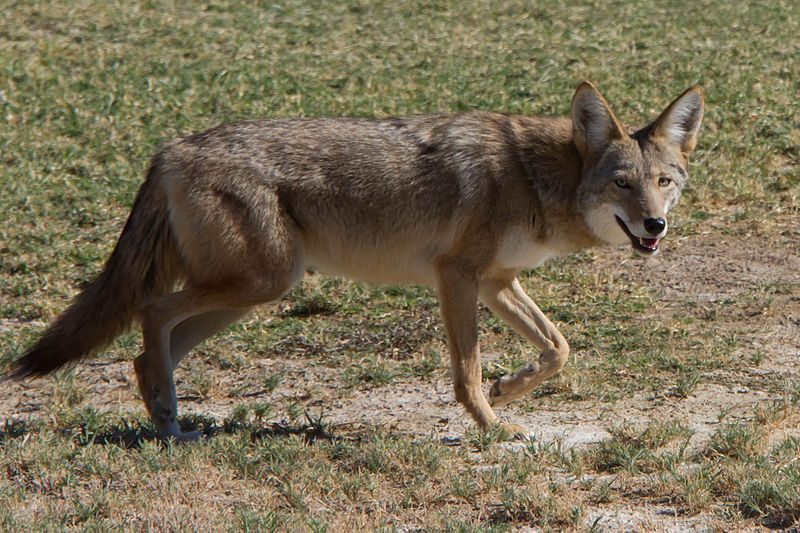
(630, 181)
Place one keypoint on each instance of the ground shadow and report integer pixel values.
(133, 433)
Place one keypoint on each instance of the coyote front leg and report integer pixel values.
(505, 297)
(458, 298)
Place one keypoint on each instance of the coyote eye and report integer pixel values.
(664, 181)
(622, 184)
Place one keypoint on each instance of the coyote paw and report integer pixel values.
(514, 431)
(495, 393)
(167, 426)
(496, 396)
(513, 386)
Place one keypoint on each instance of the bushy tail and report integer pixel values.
(144, 264)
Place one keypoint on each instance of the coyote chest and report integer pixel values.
(518, 251)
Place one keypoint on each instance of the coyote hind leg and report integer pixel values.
(154, 368)
(186, 336)
(239, 248)
(195, 330)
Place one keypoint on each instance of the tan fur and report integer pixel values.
(460, 202)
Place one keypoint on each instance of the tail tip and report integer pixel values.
(30, 366)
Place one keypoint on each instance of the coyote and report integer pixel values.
(232, 218)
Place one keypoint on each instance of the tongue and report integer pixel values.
(649, 243)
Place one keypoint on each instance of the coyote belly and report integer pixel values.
(232, 217)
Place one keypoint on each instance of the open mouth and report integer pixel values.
(643, 245)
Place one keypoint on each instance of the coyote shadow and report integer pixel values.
(133, 433)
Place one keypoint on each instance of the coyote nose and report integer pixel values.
(654, 226)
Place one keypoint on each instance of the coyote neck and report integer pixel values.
(553, 167)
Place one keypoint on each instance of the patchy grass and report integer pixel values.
(93, 470)
(278, 478)
(89, 89)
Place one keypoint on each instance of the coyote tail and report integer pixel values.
(144, 264)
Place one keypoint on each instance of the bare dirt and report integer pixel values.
(700, 270)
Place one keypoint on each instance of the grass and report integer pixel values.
(289, 478)
(89, 89)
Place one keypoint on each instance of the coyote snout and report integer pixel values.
(655, 229)
(232, 217)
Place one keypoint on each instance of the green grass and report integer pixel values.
(89, 90)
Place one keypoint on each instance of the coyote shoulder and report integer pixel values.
(232, 217)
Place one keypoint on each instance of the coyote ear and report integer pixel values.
(680, 121)
(593, 123)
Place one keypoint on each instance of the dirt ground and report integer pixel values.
(696, 270)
